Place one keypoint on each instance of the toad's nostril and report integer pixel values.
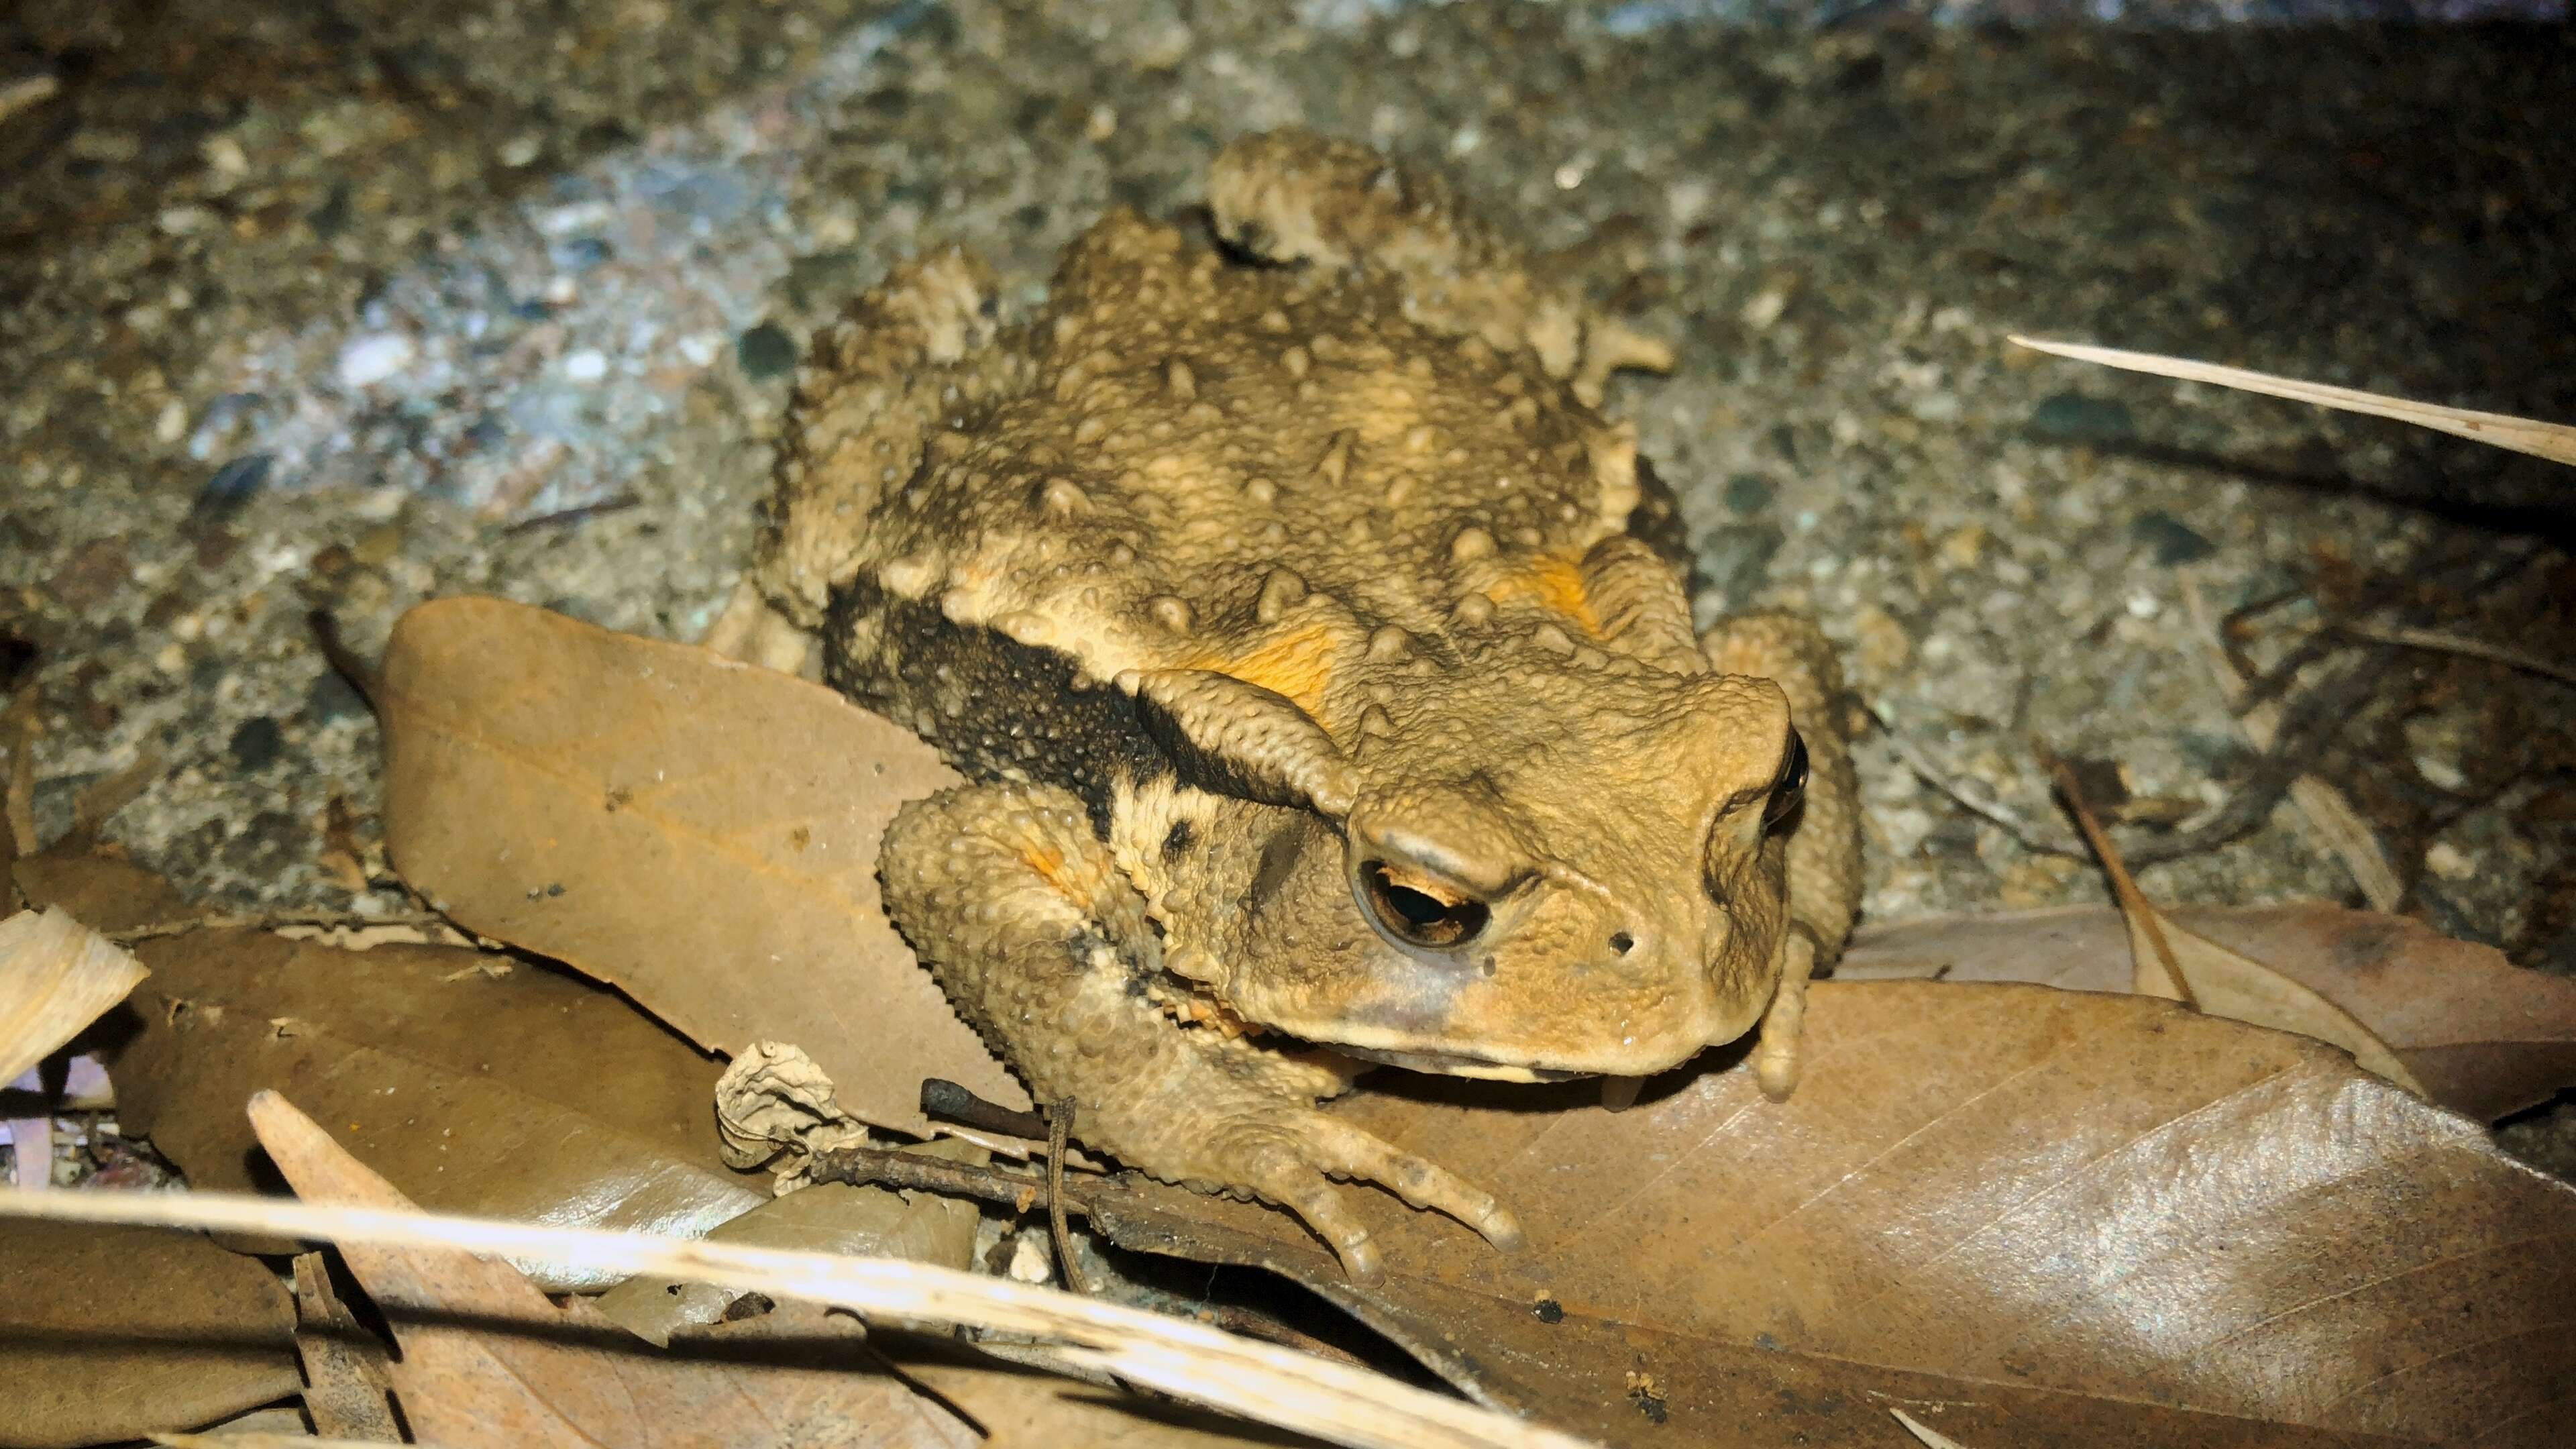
(1622, 942)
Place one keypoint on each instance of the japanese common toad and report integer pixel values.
(1325, 677)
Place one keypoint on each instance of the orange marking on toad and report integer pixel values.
(1049, 864)
(1555, 580)
(1297, 666)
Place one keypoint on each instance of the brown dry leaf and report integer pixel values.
(106, 894)
(530, 1094)
(107, 1333)
(2028, 1217)
(347, 1390)
(56, 977)
(487, 1360)
(2484, 1036)
(703, 833)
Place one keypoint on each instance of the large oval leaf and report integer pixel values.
(2027, 1216)
(701, 832)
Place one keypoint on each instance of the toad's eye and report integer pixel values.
(1791, 787)
(1416, 910)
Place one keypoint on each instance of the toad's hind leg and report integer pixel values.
(1824, 838)
(1044, 946)
(1291, 196)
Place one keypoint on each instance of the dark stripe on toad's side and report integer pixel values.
(1019, 714)
(1656, 522)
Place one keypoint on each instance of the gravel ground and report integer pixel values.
(351, 305)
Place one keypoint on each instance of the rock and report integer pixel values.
(1884, 645)
(94, 574)
(231, 486)
(2071, 417)
(256, 744)
(1749, 492)
(372, 357)
(1733, 560)
(2173, 541)
(765, 352)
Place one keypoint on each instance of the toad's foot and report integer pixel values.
(1289, 1155)
(1044, 945)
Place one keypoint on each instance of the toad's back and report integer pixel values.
(1187, 462)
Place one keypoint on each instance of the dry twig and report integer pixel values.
(2333, 824)
(2438, 642)
(425, 921)
(1059, 1136)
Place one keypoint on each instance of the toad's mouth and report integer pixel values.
(1454, 1064)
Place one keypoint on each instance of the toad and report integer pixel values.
(1320, 661)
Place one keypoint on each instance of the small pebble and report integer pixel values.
(256, 744)
(333, 699)
(1884, 645)
(2449, 862)
(765, 352)
(1749, 493)
(225, 156)
(587, 365)
(2071, 417)
(2174, 541)
(374, 357)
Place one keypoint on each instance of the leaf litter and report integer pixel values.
(2020, 1215)
(527, 1093)
(2485, 1037)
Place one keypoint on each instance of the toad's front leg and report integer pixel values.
(1044, 946)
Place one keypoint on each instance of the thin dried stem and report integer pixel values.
(276, 921)
(2438, 642)
(2554, 441)
(1190, 1361)
(2031, 837)
(2133, 901)
(1059, 1136)
(2332, 823)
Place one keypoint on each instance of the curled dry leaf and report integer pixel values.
(531, 1093)
(773, 1100)
(56, 977)
(701, 832)
(2029, 1217)
(107, 1333)
(2484, 1036)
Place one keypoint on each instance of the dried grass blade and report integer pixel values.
(2554, 441)
(1205, 1365)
